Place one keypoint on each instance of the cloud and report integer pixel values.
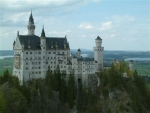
(112, 35)
(123, 19)
(85, 26)
(50, 4)
(106, 26)
(59, 33)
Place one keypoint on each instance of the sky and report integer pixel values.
(122, 24)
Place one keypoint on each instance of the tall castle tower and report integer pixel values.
(43, 52)
(98, 53)
(31, 26)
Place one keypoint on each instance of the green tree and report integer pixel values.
(57, 79)
(49, 81)
(71, 90)
(2, 103)
(63, 91)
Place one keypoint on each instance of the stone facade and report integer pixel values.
(33, 55)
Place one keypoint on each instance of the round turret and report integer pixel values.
(131, 63)
(79, 53)
(98, 41)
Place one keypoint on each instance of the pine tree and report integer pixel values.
(57, 79)
(2, 104)
(49, 81)
(71, 90)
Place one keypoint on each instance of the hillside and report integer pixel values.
(116, 94)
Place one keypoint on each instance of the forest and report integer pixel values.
(56, 94)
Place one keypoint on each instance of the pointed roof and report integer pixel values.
(17, 33)
(31, 18)
(79, 50)
(98, 38)
(43, 32)
(14, 42)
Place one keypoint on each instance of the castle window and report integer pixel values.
(39, 67)
(58, 52)
(26, 58)
(26, 52)
(32, 72)
(51, 62)
(32, 62)
(48, 57)
(62, 52)
(30, 52)
(51, 57)
(26, 68)
(64, 66)
(30, 58)
(49, 52)
(39, 52)
(54, 57)
(54, 52)
(46, 62)
(39, 62)
(32, 67)
(39, 72)
(26, 63)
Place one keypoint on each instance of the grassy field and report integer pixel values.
(3, 69)
(4, 63)
(142, 67)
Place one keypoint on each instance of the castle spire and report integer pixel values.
(43, 32)
(31, 26)
(31, 20)
(17, 33)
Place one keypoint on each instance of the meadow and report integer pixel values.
(142, 67)
(6, 63)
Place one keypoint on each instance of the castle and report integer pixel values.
(33, 55)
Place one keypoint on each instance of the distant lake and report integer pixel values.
(138, 59)
(84, 55)
(9, 56)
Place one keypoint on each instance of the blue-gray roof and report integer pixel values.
(31, 18)
(34, 42)
(43, 33)
(85, 59)
(79, 50)
(98, 38)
